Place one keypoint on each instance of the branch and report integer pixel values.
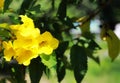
(97, 11)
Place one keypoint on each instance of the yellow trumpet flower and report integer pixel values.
(29, 43)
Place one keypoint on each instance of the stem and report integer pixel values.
(97, 11)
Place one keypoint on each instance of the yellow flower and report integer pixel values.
(26, 29)
(24, 55)
(47, 43)
(9, 50)
(28, 22)
(1, 4)
(29, 43)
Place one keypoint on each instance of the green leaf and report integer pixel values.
(57, 28)
(6, 5)
(36, 70)
(14, 19)
(62, 48)
(47, 72)
(62, 9)
(60, 71)
(93, 45)
(78, 59)
(113, 44)
(34, 10)
(26, 5)
(18, 73)
(60, 64)
(89, 53)
(5, 69)
(69, 22)
(49, 60)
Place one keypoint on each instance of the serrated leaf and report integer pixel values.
(78, 59)
(36, 70)
(49, 60)
(113, 44)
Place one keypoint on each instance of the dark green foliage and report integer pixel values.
(110, 12)
(68, 22)
(62, 48)
(60, 72)
(15, 19)
(78, 59)
(93, 46)
(12, 71)
(62, 10)
(62, 14)
(57, 30)
(18, 73)
(6, 5)
(76, 2)
(36, 70)
(5, 69)
(34, 10)
(26, 5)
(60, 60)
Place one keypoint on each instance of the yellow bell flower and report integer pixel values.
(29, 43)
(9, 50)
(1, 4)
(47, 43)
(24, 55)
(27, 22)
(26, 29)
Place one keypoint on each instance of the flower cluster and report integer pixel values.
(29, 43)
